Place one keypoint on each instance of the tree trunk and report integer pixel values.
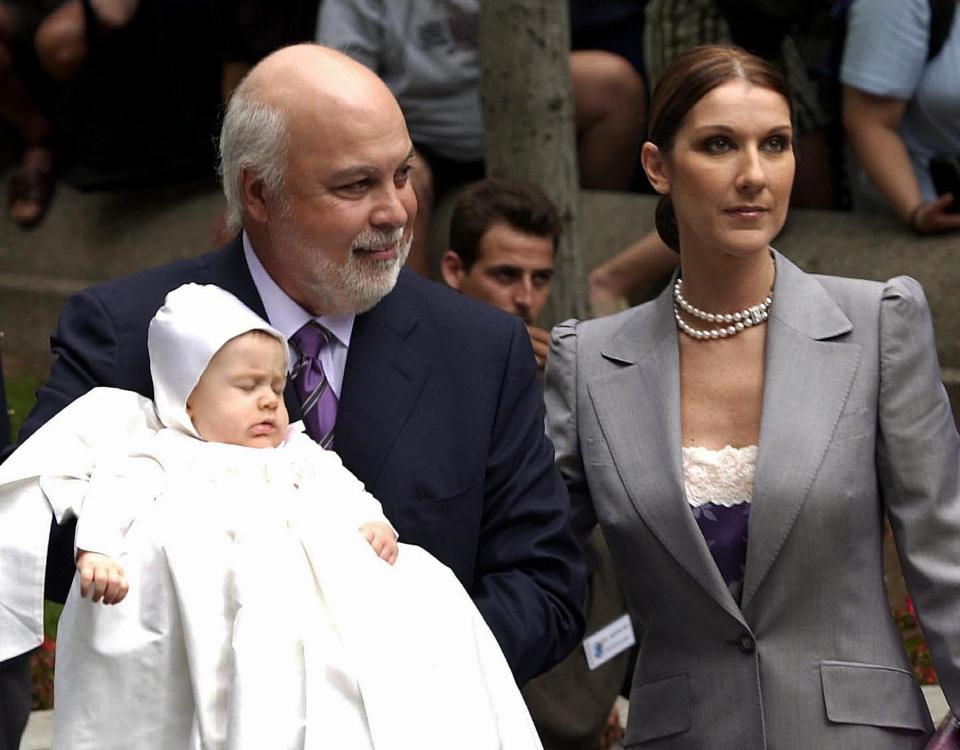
(529, 124)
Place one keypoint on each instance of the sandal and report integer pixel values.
(29, 186)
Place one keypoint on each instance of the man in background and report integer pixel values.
(503, 239)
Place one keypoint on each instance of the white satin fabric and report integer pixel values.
(258, 616)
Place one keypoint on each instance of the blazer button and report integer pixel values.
(746, 644)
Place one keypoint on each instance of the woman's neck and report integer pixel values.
(725, 283)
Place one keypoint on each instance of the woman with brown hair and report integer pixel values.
(740, 439)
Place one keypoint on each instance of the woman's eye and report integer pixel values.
(717, 146)
(778, 144)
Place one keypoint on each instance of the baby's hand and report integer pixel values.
(101, 577)
(381, 538)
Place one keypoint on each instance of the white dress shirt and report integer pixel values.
(288, 317)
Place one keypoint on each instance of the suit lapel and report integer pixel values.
(806, 384)
(383, 380)
(638, 406)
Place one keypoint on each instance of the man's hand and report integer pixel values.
(101, 577)
(381, 537)
(540, 341)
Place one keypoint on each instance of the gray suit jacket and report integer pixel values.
(855, 424)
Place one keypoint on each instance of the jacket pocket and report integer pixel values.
(872, 694)
(658, 708)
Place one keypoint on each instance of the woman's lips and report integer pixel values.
(746, 212)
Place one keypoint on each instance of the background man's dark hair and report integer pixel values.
(520, 204)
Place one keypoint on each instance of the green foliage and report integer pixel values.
(21, 396)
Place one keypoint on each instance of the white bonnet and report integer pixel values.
(194, 322)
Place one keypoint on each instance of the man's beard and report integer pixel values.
(358, 284)
(365, 282)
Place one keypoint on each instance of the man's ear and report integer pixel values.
(452, 270)
(252, 195)
(654, 164)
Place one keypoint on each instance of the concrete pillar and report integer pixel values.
(529, 125)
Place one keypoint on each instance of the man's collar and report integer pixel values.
(282, 312)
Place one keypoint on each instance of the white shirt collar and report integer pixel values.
(282, 312)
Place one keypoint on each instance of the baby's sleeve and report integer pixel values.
(339, 489)
(117, 492)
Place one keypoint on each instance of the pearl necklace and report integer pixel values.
(736, 321)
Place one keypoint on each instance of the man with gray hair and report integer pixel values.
(430, 398)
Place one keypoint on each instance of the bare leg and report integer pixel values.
(61, 41)
(19, 110)
(422, 178)
(16, 107)
(114, 14)
(610, 107)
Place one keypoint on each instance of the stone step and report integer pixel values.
(87, 237)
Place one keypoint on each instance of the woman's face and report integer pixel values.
(730, 170)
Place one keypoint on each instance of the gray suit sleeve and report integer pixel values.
(561, 404)
(918, 462)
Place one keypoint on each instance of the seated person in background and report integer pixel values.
(901, 106)
(42, 43)
(427, 54)
(238, 530)
(503, 237)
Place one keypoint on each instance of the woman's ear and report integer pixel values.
(654, 164)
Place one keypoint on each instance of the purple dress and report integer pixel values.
(719, 486)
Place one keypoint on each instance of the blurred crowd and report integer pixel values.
(112, 92)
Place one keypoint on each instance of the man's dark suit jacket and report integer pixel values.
(440, 416)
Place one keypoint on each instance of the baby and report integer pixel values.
(238, 400)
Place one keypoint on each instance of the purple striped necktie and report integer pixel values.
(318, 402)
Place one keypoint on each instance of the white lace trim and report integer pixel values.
(722, 477)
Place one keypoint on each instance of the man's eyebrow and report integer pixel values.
(358, 170)
(365, 170)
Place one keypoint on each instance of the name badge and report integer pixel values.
(609, 641)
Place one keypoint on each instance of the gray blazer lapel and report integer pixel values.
(807, 382)
(638, 406)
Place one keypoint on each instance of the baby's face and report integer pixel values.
(239, 397)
